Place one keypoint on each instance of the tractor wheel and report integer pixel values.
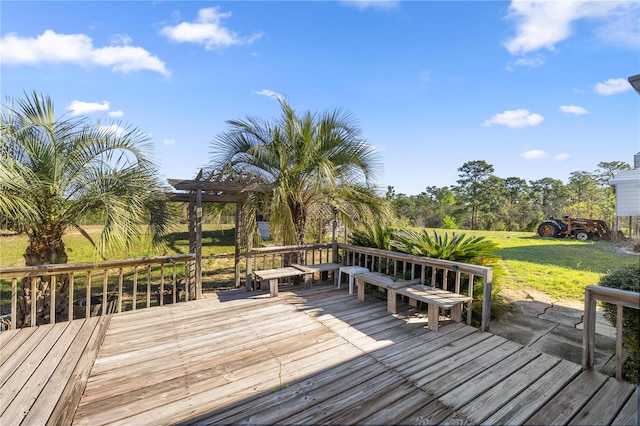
(581, 235)
(548, 229)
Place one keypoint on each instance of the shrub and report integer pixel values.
(457, 248)
(374, 236)
(626, 278)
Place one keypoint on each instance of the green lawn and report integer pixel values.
(560, 268)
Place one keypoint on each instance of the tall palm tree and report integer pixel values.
(53, 171)
(310, 159)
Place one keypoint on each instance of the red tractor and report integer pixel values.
(581, 229)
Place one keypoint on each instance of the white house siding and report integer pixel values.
(627, 184)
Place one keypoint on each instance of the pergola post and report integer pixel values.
(236, 257)
(198, 250)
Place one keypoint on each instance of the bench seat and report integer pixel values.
(322, 267)
(274, 275)
(436, 299)
(382, 281)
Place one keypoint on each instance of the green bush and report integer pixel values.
(626, 278)
(457, 247)
(377, 236)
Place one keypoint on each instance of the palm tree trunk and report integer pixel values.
(43, 250)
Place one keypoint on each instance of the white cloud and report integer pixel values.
(207, 30)
(116, 114)
(533, 62)
(79, 107)
(114, 129)
(76, 49)
(544, 24)
(572, 109)
(515, 118)
(371, 4)
(534, 154)
(562, 157)
(168, 141)
(613, 86)
(270, 93)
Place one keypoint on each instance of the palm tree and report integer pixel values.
(311, 160)
(54, 171)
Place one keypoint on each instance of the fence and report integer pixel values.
(114, 292)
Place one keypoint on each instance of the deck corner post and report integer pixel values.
(588, 329)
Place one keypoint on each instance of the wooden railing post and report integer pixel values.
(588, 333)
(486, 300)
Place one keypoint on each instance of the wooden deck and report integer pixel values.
(307, 357)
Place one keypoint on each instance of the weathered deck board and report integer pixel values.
(43, 379)
(307, 357)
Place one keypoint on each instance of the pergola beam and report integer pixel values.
(219, 186)
(208, 198)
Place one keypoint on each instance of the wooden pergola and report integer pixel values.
(215, 187)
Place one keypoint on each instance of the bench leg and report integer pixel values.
(391, 301)
(456, 313)
(360, 285)
(413, 302)
(308, 278)
(273, 287)
(469, 309)
(433, 314)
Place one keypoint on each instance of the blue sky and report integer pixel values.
(537, 89)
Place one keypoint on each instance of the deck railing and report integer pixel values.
(620, 298)
(279, 256)
(429, 270)
(103, 287)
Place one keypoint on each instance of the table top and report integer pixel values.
(288, 271)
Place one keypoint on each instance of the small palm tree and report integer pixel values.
(376, 235)
(311, 160)
(458, 248)
(54, 171)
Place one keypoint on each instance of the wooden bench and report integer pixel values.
(274, 275)
(322, 267)
(385, 282)
(436, 299)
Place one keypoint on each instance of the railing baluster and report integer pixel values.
(72, 283)
(134, 302)
(120, 281)
(161, 299)
(187, 283)
(33, 301)
(105, 282)
(87, 308)
(14, 303)
(175, 284)
(148, 286)
(52, 304)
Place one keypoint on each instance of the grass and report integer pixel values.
(560, 268)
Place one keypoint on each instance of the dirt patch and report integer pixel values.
(519, 295)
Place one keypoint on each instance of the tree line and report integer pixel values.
(482, 200)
